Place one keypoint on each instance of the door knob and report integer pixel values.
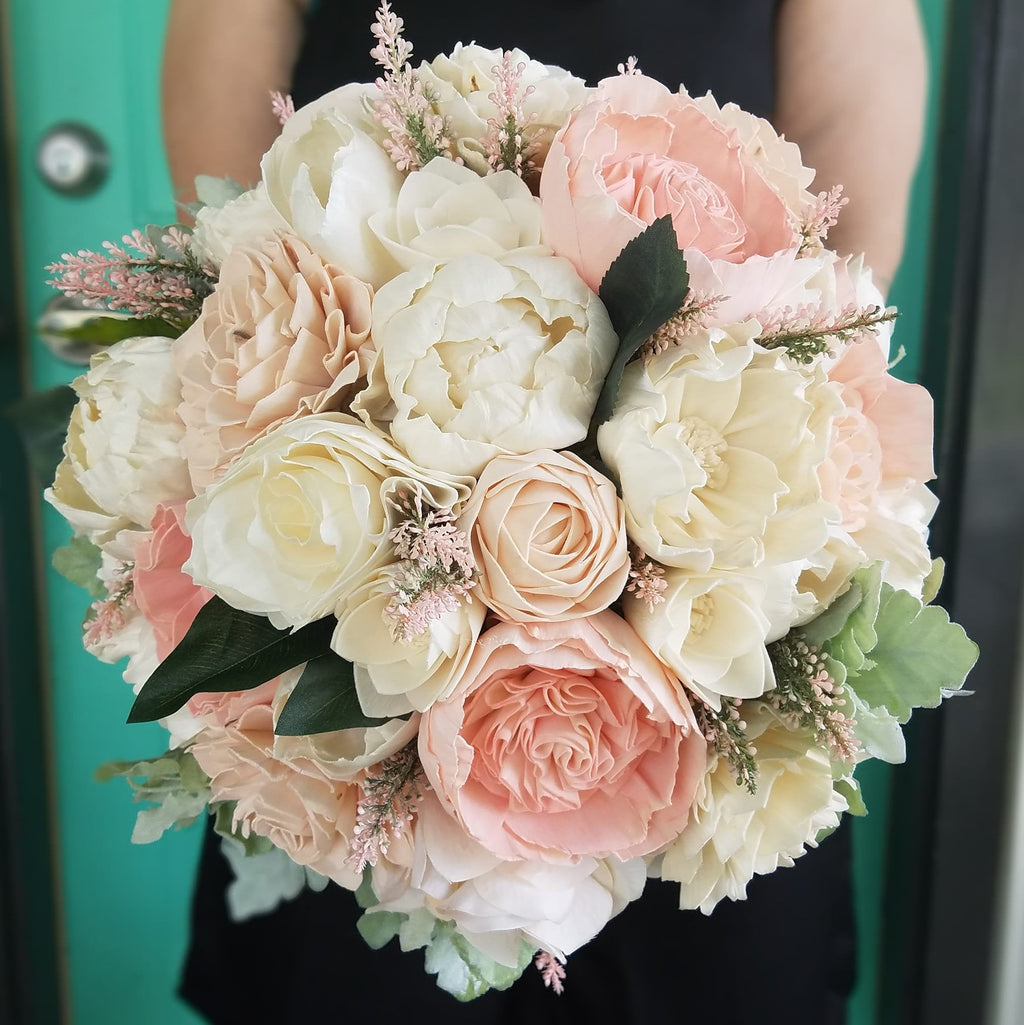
(72, 159)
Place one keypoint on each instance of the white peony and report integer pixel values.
(445, 210)
(249, 220)
(464, 81)
(734, 835)
(326, 175)
(498, 904)
(300, 519)
(481, 357)
(121, 456)
(718, 457)
(395, 676)
(711, 630)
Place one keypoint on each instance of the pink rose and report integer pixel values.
(283, 335)
(565, 740)
(299, 809)
(637, 152)
(166, 596)
(549, 537)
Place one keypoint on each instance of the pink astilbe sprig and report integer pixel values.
(818, 218)
(282, 105)
(138, 278)
(692, 317)
(108, 616)
(416, 132)
(506, 145)
(552, 971)
(392, 791)
(807, 695)
(806, 332)
(435, 571)
(725, 730)
(646, 579)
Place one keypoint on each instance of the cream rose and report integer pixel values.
(734, 835)
(299, 520)
(395, 676)
(548, 535)
(463, 82)
(326, 175)
(283, 335)
(445, 210)
(121, 455)
(482, 357)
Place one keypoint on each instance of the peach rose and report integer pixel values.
(166, 596)
(282, 335)
(549, 537)
(565, 740)
(637, 152)
(309, 816)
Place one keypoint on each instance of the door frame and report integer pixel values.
(31, 990)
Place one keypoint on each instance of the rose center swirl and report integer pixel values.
(542, 740)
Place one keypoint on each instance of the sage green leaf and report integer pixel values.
(108, 330)
(919, 658)
(464, 971)
(324, 700)
(378, 928)
(850, 789)
(216, 192)
(879, 732)
(645, 285)
(41, 420)
(848, 624)
(79, 562)
(226, 649)
(224, 825)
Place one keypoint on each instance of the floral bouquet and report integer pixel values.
(504, 502)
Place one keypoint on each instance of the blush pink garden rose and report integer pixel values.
(282, 335)
(565, 740)
(548, 535)
(298, 808)
(166, 596)
(879, 459)
(636, 152)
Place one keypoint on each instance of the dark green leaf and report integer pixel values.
(225, 650)
(42, 422)
(108, 330)
(645, 285)
(324, 700)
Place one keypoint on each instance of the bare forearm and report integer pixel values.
(851, 93)
(222, 59)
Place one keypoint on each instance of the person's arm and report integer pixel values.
(222, 60)
(852, 78)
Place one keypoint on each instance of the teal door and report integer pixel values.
(122, 910)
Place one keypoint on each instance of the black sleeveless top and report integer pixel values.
(783, 956)
(725, 46)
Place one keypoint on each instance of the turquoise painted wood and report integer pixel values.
(124, 908)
